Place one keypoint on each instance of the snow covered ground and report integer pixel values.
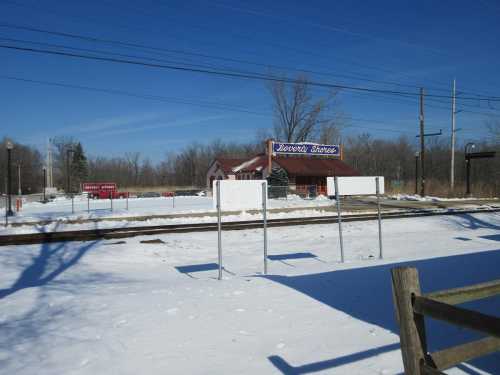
(107, 307)
(61, 208)
(418, 198)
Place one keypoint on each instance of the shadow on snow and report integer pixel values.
(50, 262)
(365, 294)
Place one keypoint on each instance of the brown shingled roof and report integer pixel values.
(226, 164)
(259, 163)
(315, 167)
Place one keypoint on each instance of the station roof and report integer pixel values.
(228, 164)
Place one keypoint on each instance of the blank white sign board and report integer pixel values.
(239, 194)
(355, 185)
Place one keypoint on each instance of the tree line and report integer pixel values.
(392, 158)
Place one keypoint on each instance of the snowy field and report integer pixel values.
(132, 308)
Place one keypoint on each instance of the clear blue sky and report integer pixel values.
(425, 43)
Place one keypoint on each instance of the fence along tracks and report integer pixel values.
(112, 233)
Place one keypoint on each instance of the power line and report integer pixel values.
(121, 54)
(206, 104)
(288, 48)
(252, 76)
(172, 62)
(337, 29)
(188, 53)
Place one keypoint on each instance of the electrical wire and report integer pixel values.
(251, 76)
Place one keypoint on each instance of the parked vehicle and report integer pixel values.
(103, 190)
(190, 193)
(149, 194)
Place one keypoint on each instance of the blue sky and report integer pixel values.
(413, 44)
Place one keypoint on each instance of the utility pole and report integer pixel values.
(422, 144)
(453, 130)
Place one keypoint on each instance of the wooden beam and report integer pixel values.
(457, 296)
(405, 283)
(461, 353)
(477, 321)
(428, 370)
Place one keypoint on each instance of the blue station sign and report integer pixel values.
(305, 149)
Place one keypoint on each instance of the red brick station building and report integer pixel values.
(306, 164)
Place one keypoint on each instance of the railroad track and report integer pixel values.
(114, 233)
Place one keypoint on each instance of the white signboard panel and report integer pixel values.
(355, 185)
(239, 194)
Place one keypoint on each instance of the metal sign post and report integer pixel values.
(88, 203)
(264, 220)
(72, 204)
(380, 255)
(126, 207)
(111, 199)
(219, 229)
(339, 218)
(173, 200)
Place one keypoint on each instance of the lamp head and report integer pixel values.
(9, 145)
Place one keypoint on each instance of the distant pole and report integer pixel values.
(422, 145)
(44, 184)
(9, 211)
(269, 156)
(68, 174)
(49, 164)
(339, 218)
(417, 154)
(381, 252)
(467, 168)
(219, 228)
(264, 221)
(19, 190)
(453, 130)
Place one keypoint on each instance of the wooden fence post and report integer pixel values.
(405, 283)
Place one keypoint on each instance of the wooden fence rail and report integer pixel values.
(411, 307)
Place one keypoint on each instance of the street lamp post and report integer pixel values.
(467, 167)
(9, 146)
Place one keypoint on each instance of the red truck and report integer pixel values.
(103, 190)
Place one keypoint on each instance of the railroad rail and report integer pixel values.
(113, 233)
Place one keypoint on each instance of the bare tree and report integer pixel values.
(298, 116)
(133, 160)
